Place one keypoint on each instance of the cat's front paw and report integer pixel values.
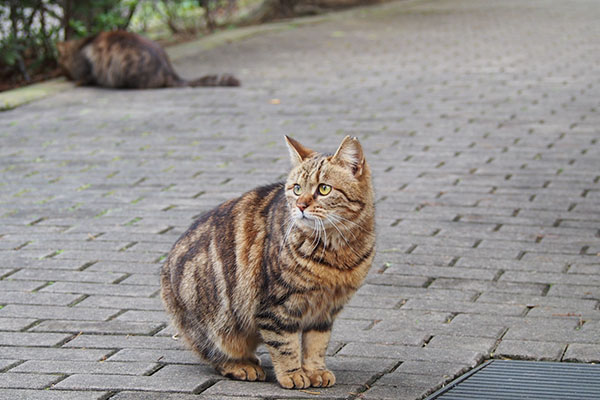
(321, 378)
(243, 371)
(294, 380)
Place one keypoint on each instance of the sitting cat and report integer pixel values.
(275, 266)
(121, 59)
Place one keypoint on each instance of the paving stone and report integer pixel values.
(399, 391)
(55, 312)
(488, 287)
(99, 327)
(576, 352)
(429, 368)
(411, 353)
(66, 276)
(115, 302)
(273, 390)
(173, 396)
(23, 394)
(574, 291)
(100, 289)
(84, 367)
(123, 382)
(27, 381)
(31, 339)
(122, 342)
(6, 364)
(483, 345)
(51, 353)
(15, 324)
(536, 301)
(164, 356)
(465, 307)
(37, 298)
(530, 350)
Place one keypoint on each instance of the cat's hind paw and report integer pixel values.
(294, 380)
(243, 371)
(321, 378)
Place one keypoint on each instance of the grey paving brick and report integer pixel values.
(385, 337)
(442, 271)
(530, 350)
(577, 352)
(151, 355)
(36, 298)
(429, 368)
(84, 367)
(465, 307)
(24, 394)
(272, 390)
(124, 341)
(101, 289)
(550, 278)
(56, 312)
(536, 301)
(483, 345)
(125, 395)
(6, 364)
(31, 339)
(123, 382)
(27, 381)
(143, 316)
(66, 276)
(398, 391)
(411, 353)
(52, 353)
(574, 291)
(115, 302)
(129, 267)
(488, 286)
(99, 327)
(177, 372)
(15, 324)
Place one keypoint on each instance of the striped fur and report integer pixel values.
(121, 59)
(276, 266)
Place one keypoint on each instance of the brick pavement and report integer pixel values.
(480, 121)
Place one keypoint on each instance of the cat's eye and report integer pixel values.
(297, 189)
(324, 189)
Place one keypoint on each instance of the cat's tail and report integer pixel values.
(215, 80)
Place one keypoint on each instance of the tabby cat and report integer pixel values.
(121, 59)
(275, 266)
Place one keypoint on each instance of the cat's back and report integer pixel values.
(122, 59)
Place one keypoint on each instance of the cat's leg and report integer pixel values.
(285, 350)
(314, 347)
(243, 363)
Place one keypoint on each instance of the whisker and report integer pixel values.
(342, 235)
(325, 242)
(339, 217)
(290, 222)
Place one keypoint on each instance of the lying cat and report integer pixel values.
(275, 266)
(121, 59)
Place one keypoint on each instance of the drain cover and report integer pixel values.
(510, 380)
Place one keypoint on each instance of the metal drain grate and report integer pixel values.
(511, 380)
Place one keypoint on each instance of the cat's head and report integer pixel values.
(328, 191)
(67, 53)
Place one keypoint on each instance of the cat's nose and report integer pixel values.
(301, 206)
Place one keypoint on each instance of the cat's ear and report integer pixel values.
(298, 153)
(350, 155)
